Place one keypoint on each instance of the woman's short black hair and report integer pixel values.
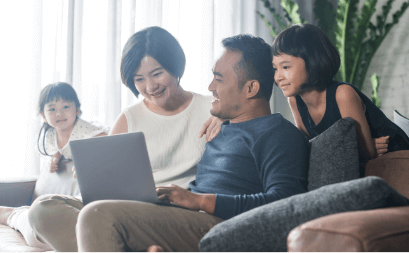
(256, 60)
(157, 43)
(310, 43)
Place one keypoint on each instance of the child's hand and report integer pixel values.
(55, 159)
(74, 174)
(381, 145)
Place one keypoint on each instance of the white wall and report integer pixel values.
(391, 63)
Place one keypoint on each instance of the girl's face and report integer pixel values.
(154, 82)
(60, 114)
(290, 74)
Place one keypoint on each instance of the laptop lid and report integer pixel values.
(114, 167)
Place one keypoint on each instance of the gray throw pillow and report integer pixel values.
(334, 155)
(266, 228)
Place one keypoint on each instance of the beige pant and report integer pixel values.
(134, 226)
(116, 225)
(18, 220)
(53, 219)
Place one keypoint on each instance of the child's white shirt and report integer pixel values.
(81, 130)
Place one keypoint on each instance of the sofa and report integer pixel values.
(23, 191)
(334, 189)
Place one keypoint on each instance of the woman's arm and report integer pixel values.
(297, 118)
(351, 105)
(120, 125)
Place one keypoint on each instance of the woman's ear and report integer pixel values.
(78, 112)
(253, 88)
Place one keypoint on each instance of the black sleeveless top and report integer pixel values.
(378, 123)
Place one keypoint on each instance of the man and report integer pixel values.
(257, 158)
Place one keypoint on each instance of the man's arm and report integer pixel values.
(282, 158)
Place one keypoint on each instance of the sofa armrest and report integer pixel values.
(393, 168)
(385, 229)
(16, 192)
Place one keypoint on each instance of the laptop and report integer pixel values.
(114, 167)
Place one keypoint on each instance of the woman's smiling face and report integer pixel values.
(154, 82)
(290, 74)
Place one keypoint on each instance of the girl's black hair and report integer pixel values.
(57, 91)
(155, 42)
(310, 43)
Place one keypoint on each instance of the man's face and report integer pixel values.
(229, 96)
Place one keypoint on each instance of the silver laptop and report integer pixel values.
(114, 167)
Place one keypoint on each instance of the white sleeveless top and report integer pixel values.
(81, 130)
(173, 144)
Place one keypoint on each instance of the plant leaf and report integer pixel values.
(292, 10)
(361, 33)
(375, 86)
(346, 15)
(325, 14)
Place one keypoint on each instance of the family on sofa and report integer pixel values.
(250, 160)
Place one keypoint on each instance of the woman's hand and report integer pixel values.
(381, 145)
(211, 128)
(54, 160)
(181, 197)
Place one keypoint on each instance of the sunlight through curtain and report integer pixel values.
(81, 41)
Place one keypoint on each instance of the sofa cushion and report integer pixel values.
(12, 241)
(16, 192)
(59, 182)
(266, 228)
(334, 155)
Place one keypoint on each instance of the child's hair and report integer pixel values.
(56, 91)
(157, 43)
(310, 43)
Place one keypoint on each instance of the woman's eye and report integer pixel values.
(51, 109)
(157, 74)
(66, 106)
(138, 80)
(286, 67)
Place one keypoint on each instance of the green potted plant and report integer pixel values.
(355, 36)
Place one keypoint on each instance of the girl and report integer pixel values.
(60, 109)
(305, 64)
(170, 117)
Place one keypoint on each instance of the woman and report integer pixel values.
(152, 65)
(305, 63)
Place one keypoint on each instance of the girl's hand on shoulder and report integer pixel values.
(211, 128)
(54, 161)
(381, 144)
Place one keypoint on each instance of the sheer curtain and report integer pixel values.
(80, 42)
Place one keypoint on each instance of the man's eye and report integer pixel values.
(66, 106)
(157, 74)
(274, 69)
(286, 67)
(51, 109)
(138, 80)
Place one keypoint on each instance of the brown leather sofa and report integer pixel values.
(384, 229)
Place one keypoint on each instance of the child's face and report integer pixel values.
(154, 82)
(60, 114)
(290, 74)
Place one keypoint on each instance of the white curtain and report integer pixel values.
(80, 42)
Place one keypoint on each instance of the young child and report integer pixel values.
(60, 109)
(305, 63)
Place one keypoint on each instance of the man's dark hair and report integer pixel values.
(157, 43)
(256, 61)
(310, 43)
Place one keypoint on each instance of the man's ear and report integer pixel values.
(252, 88)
